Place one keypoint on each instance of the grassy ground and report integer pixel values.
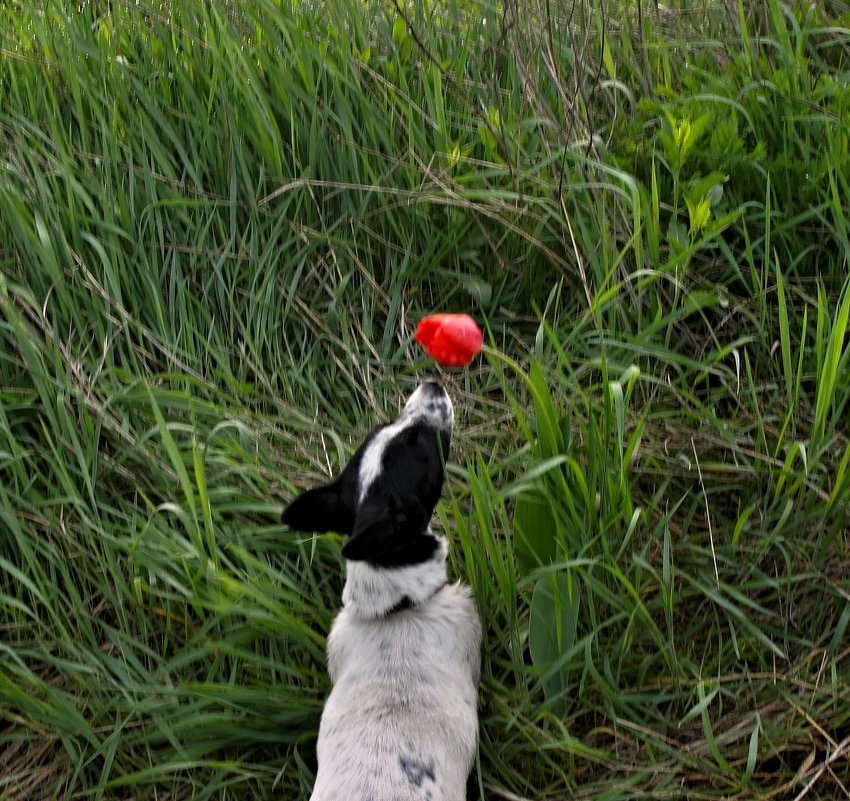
(219, 224)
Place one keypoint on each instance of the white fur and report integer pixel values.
(373, 456)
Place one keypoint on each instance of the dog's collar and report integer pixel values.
(405, 603)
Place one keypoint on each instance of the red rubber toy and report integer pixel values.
(452, 339)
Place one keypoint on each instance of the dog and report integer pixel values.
(401, 721)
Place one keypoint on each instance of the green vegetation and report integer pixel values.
(219, 225)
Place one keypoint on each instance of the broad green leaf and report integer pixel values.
(535, 532)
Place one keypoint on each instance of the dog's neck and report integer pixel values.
(372, 592)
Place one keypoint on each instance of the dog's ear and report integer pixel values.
(319, 510)
(390, 533)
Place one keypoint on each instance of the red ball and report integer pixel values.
(451, 339)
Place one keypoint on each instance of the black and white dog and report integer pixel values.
(401, 722)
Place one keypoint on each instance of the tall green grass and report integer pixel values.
(219, 224)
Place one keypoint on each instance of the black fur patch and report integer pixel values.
(416, 771)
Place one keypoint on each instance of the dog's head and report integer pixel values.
(384, 498)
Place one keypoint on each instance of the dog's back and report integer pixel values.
(401, 722)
